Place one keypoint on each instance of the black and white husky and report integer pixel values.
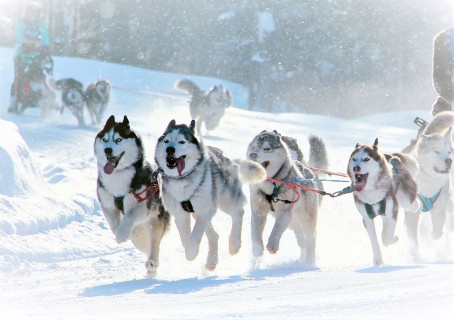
(292, 207)
(434, 153)
(206, 107)
(197, 180)
(72, 97)
(381, 184)
(128, 190)
(97, 96)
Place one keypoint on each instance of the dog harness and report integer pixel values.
(428, 202)
(371, 212)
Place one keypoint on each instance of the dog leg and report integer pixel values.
(235, 234)
(157, 232)
(201, 224)
(183, 222)
(438, 216)
(212, 258)
(389, 224)
(411, 225)
(124, 229)
(281, 224)
(258, 221)
(370, 228)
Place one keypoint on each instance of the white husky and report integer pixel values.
(292, 208)
(197, 180)
(434, 153)
(128, 190)
(381, 183)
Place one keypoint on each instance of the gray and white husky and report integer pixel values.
(197, 180)
(434, 153)
(97, 96)
(128, 190)
(381, 183)
(206, 107)
(271, 150)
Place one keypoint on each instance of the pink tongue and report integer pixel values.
(180, 164)
(359, 186)
(109, 168)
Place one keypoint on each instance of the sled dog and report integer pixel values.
(206, 107)
(270, 149)
(381, 183)
(197, 180)
(434, 153)
(72, 97)
(128, 190)
(97, 97)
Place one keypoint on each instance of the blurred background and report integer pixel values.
(332, 57)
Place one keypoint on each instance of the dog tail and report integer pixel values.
(250, 171)
(318, 157)
(440, 123)
(188, 85)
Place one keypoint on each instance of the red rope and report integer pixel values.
(138, 196)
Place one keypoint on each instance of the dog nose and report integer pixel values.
(356, 169)
(448, 163)
(108, 150)
(253, 156)
(170, 150)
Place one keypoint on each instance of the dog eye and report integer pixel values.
(104, 139)
(354, 159)
(181, 142)
(266, 149)
(166, 141)
(366, 159)
(118, 140)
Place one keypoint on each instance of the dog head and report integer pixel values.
(218, 100)
(268, 149)
(435, 153)
(178, 150)
(103, 87)
(117, 146)
(365, 166)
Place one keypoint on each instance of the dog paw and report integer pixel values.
(378, 262)
(121, 237)
(151, 265)
(191, 251)
(212, 262)
(234, 246)
(257, 250)
(272, 248)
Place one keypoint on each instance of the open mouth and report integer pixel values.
(112, 163)
(178, 163)
(265, 164)
(360, 181)
(441, 171)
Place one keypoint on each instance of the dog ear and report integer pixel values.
(375, 146)
(125, 121)
(111, 121)
(171, 124)
(192, 125)
(357, 145)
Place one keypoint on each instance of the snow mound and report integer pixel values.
(19, 176)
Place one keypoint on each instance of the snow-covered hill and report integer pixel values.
(59, 260)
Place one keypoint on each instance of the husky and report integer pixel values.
(97, 96)
(434, 153)
(197, 180)
(128, 190)
(270, 149)
(381, 184)
(206, 107)
(72, 97)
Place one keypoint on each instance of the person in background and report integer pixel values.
(443, 70)
(32, 37)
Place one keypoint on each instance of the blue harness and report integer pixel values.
(428, 202)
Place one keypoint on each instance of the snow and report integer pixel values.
(59, 259)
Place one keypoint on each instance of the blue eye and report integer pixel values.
(181, 142)
(118, 140)
(166, 141)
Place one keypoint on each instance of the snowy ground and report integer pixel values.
(59, 260)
